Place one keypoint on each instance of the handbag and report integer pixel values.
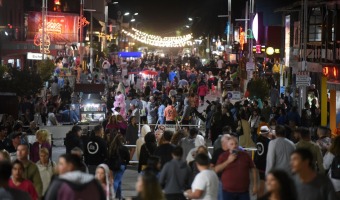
(240, 132)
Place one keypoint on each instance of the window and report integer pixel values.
(315, 28)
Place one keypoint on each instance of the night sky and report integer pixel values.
(162, 16)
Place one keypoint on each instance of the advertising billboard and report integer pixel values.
(60, 27)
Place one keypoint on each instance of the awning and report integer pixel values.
(333, 85)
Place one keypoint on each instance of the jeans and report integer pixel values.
(117, 184)
(220, 191)
(235, 196)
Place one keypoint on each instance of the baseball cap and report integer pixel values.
(264, 130)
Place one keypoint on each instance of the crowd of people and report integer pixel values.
(294, 157)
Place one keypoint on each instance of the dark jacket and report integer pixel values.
(145, 153)
(164, 152)
(122, 157)
(71, 141)
(95, 151)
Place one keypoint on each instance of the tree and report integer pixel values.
(21, 82)
(45, 69)
(258, 88)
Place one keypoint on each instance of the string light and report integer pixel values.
(154, 40)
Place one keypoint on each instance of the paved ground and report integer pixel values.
(131, 174)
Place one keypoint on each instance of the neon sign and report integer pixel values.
(52, 27)
(83, 22)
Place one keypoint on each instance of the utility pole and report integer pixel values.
(43, 16)
(229, 24)
(106, 13)
(81, 52)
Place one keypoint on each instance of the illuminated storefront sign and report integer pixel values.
(61, 27)
(287, 40)
(53, 27)
(83, 22)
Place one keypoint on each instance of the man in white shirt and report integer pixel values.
(205, 185)
(220, 63)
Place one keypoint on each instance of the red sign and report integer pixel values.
(331, 72)
(61, 27)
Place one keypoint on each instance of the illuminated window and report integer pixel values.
(315, 28)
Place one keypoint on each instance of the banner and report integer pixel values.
(61, 27)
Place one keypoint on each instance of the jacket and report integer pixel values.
(175, 177)
(186, 110)
(245, 139)
(95, 151)
(202, 90)
(145, 153)
(31, 172)
(34, 151)
(71, 141)
(75, 185)
(145, 129)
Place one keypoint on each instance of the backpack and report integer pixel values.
(335, 168)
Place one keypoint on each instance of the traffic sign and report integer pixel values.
(234, 95)
(303, 79)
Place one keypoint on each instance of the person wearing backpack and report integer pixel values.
(331, 162)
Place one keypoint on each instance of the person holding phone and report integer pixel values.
(234, 165)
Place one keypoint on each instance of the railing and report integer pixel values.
(251, 149)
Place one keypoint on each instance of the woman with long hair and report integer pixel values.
(104, 176)
(328, 159)
(279, 186)
(117, 122)
(177, 137)
(43, 141)
(131, 135)
(17, 180)
(148, 187)
(147, 149)
(244, 131)
(119, 157)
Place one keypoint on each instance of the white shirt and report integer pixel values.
(207, 181)
(219, 63)
(327, 162)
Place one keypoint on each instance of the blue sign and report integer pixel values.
(130, 54)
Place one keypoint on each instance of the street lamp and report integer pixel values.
(126, 14)
(116, 2)
(190, 19)
(133, 20)
(135, 14)
(187, 26)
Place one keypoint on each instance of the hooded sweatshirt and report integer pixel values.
(75, 185)
(175, 177)
(140, 141)
(186, 110)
